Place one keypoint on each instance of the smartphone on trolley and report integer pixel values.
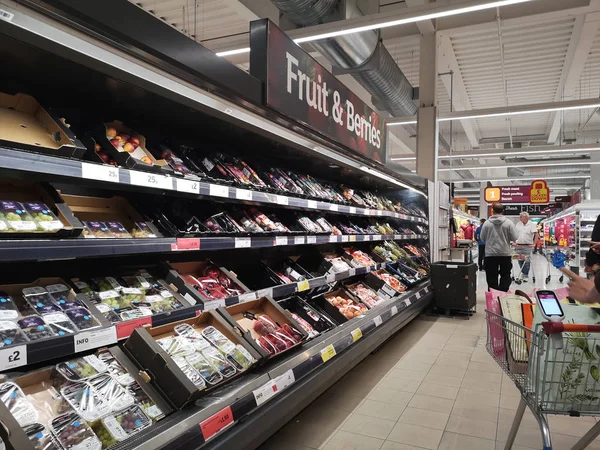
(549, 305)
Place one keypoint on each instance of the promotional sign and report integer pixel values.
(515, 210)
(299, 87)
(539, 192)
(563, 199)
(507, 194)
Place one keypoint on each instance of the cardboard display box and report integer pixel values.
(324, 302)
(320, 321)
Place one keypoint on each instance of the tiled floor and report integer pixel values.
(433, 386)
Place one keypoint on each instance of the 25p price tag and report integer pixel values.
(243, 242)
(189, 186)
(13, 357)
(216, 423)
(327, 353)
(99, 172)
(150, 180)
(356, 334)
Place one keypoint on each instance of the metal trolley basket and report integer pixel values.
(555, 366)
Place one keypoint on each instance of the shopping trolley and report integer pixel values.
(555, 259)
(522, 253)
(554, 366)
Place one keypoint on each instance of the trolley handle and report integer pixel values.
(559, 327)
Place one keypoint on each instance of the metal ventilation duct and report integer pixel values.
(361, 53)
(542, 172)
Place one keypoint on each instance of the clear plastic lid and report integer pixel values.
(218, 360)
(115, 368)
(190, 372)
(17, 404)
(85, 401)
(43, 216)
(127, 423)
(142, 230)
(111, 391)
(10, 334)
(118, 230)
(209, 373)
(35, 328)
(97, 229)
(147, 404)
(108, 312)
(60, 324)
(176, 346)
(105, 284)
(218, 339)
(40, 437)
(82, 318)
(8, 309)
(74, 434)
(192, 336)
(60, 295)
(77, 369)
(17, 217)
(113, 299)
(40, 300)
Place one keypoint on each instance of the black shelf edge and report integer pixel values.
(82, 170)
(55, 249)
(185, 429)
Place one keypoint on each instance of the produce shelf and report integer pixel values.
(250, 410)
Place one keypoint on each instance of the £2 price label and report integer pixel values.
(217, 422)
(189, 186)
(13, 357)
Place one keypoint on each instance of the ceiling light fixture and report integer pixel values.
(566, 177)
(383, 176)
(519, 165)
(406, 122)
(393, 23)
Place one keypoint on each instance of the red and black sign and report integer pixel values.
(563, 199)
(300, 88)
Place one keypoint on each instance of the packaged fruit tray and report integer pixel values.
(341, 305)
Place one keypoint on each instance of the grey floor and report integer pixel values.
(433, 387)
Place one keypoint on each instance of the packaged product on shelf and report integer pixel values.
(118, 230)
(338, 264)
(82, 318)
(131, 296)
(236, 354)
(147, 404)
(43, 216)
(390, 280)
(16, 217)
(138, 312)
(176, 346)
(263, 221)
(115, 368)
(113, 299)
(365, 294)
(346, 305)
(209, 374)
(40, 437)
(110, 391)
(35, 328)
(97, 229)
(309, 225)
(126, 423)
(81, 368)
(192, 373)
(218, 360)
(8, 309)
(108, 313)
(326, 226)
(61, 296)
(60, 323)
(17, 404)
(142, 230)
(317, 321)
(10, 334)
(83, 288)
(73, 433)
(40, 300)
(85, 401)
(359, 257)
(175, 162)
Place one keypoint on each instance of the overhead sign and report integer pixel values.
(563, 199)
(539, 192)
(461, 201)
(299, 87)
(507, 194)
(515, 210)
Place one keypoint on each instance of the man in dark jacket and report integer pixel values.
(481, 245)
(497, 233)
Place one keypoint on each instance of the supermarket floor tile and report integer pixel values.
(433, 386)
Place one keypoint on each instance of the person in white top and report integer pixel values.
(528, 236)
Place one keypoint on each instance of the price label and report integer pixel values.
(331, 278)
(217, 190)
(311, 239)
(356, 334)
(265, 392)
(264, 293)
(394, 310)
(376, 237)
(303, 286)
(281, 240)
(299, 240)
(312, 204)
(99, 172)
(344, 238)
(188, 244)
(285, 380)
(333, 238)
(352, 210)
(333, 207)
(216, 423)
(13, 357)
(408, 302)
(189, 186)
(87, 340)
(379, 212)
(377, 321)
(367, 237)
(243, 242)
(418, 295)
(248, 297)
(214, 304)
(282, 200)
(390, 291)
(243, 194)
(352, 272)
(353, 238)
(150, 180)
(124, 329)
(327, 353)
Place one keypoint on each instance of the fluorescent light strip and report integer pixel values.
(392, 23)
(519, 165)
(523, 153)
(383, 176)
(408, 122)
(518, 113)
(412, 158)
(566, 177)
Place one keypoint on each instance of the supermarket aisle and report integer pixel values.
(434, 387)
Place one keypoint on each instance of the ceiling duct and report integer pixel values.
(512, 172)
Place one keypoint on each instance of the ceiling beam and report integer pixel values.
(447, 62)
(582, 40)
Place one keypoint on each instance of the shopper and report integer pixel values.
(527, 239)
(467, 229)
(497, 233)
(481, 245)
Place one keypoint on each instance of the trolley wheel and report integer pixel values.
(548, 279)
(518, 281)
(533, 279)
(561, 278)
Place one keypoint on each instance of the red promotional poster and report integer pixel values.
(302, 89)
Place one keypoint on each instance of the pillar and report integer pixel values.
(427, 124)
(483, 205)
(595, 177)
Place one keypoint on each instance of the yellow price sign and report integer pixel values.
(327, 353)
(356, 334)
(303, 286)
(352, 238)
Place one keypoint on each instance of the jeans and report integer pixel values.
(498, 266)
(524, 264)
(481, 256)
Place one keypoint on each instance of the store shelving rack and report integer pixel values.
(303, 375)
(584, 216)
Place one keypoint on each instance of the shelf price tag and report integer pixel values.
(377, 321)
(264, 293)
(352, 210)
(282, 200)
(345, 238)
(311, 239)
(124, 329)
(247, 297)
(13, 357)
(188, 244)
(95, 339)
(351, 272)
(216, 423)
(99, 172)
(356, 334)
(331, 278)
(376, 237)
(418, 295)
(333, 207)
(353, 238)
(303, 286)
(285, 380)
(243, 194)
(394, 310)
(281, 240)
(150, 180)
(379, 212)
(327, 353)
(217, 190)
(333, 238)
(389, 291)
(243, 242)
(214, 304)
(189, 186)
(298, 240)
(312, 204)
(367, 237)
(408, 302)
